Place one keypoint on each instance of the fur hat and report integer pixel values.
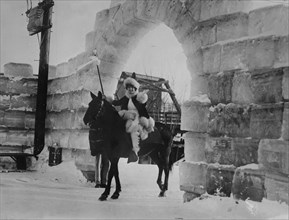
(131, 81)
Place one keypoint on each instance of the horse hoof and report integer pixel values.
(115, 196)
(102, 185)
(102, 198)
(162, 194)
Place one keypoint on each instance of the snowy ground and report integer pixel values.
(61, 192)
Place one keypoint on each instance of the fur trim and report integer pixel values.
(126, 114)
(151, 124)
(131, 81)
(148, 124)
(131, 126)
(142, 97)
(143, 121)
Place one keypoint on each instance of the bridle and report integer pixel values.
(98, 114)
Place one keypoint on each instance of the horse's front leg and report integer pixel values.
(106, 192)
(115, 195)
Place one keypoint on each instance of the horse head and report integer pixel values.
(95, 110)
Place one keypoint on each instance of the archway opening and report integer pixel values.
(159, 54)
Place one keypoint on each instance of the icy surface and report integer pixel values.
(61, 192)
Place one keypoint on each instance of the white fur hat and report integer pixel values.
(131, 81)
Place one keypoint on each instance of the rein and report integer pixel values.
(97, 115)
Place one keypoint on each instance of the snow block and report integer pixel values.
(174, 10)
(18, 70)
(51, 72)
(233, 55)
(14, 119)
(212, 58)
(195, 146)
(266, 121)
(231, 120)
(4, 84)
(195, 115)
(57, 138)
(4, 102)
(147, 10)
(29, 120)
(58, 120)
(65, 119)
(2, 113)
(62, 70)
(273, 156)
(259, 86)
(79, 60)
(77, 119)
(206, 30)
(71, 139)
(57, 102)
(267, 85)
(185, 25)
(103, 17)
(274, 20)
(20, 86)
(285, 122)
(219, 179)
(3, 135)
(248, 183)
(193, 177)
(231, 151)
(260, 52)
(219, 150)
(281, 51)
(215, 8)
(23, 102)
(285, 84)
(232, 26)
(245, 150)
(277, 187)
(195, 62)
(242, 92)
(17, 138)
(220, 88)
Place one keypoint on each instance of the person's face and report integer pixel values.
(131, 90)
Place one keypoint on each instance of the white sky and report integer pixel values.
(158, 53)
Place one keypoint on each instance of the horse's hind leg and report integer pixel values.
(166, 167)
(115, 195)
(155, 157)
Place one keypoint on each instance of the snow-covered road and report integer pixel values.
(61, 192)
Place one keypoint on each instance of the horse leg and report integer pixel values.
(104, 170)
(167, 153)
(106, 192)
(115, 195)
(165, 158)
(155, 157)
(96, 173)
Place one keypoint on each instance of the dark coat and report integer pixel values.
(123, 103)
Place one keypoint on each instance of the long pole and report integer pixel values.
(39, 135)
(100, 80)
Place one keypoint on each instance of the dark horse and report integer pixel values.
(107, 132)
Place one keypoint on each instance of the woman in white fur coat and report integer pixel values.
(133, 110)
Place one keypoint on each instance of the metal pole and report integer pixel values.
(39, 135)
